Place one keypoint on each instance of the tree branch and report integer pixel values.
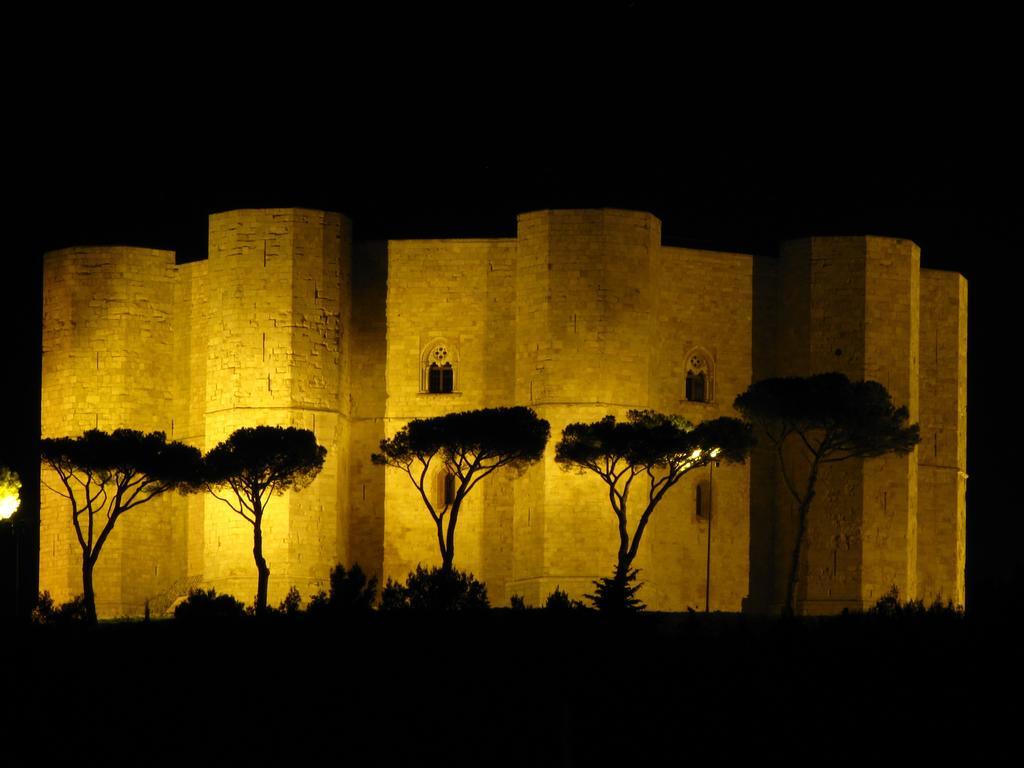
(236, 510)
(420, 486)
(785, 475)
(155, 492)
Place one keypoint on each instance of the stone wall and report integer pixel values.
(457, 293)
(704, 304)
(942, 454)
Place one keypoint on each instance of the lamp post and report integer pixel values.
(711, 496)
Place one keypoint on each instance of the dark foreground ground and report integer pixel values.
(512, 688)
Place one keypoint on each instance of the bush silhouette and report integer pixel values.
(889, 606)
(351, 594)
(292, 603)
(559, 600)
(71, 612)
(209, 606)
(435, 590)
(617, 594)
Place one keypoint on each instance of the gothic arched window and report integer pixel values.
(699, 378)
(439, 369)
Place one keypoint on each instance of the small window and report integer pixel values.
(445, 489)
(440, 369)
(698, 378)
(449, 489)
(696, 387)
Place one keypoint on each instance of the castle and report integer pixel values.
(582, 314)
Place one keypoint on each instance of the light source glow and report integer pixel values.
(9, 504)
(10, 499)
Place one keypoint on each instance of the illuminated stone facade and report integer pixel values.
(582, 314)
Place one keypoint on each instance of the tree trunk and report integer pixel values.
(263, 579)
(447, 552)
(622, 565)
(794, 568)
(448, 555)
(446, 559)
(622, 557)
(88, 595)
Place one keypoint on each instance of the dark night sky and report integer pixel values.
(442, 135)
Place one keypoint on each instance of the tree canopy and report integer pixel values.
(104, 475)
(259, 462)
(661, 448)
(832, 419)
(256, 463)
(468, 446)
(835, 418)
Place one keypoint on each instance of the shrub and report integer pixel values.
(318, 604)
(559, 600)
(71, 612)
(435, 590)
(938, 608)
(292, 603)
(208, 606)
(517, 603)
(617, 594)
(351, 593)
(351, 590)
(889, 606)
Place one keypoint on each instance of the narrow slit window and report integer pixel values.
(449, 489)
(445, 489)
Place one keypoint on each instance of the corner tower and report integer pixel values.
(583, 315)
(852, 304)
(108, 363)
(279, 299)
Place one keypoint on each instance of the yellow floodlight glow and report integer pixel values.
(695, 455)
(715, 451)
(10, 499)
(9, 504)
